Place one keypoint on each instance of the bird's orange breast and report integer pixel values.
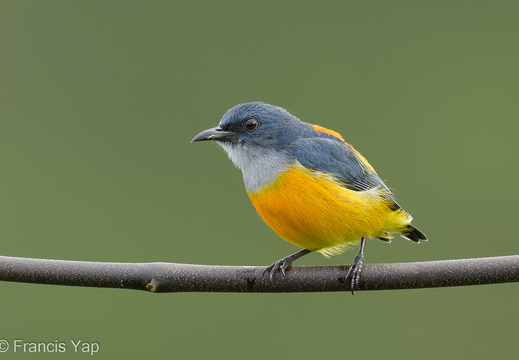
(312, 210)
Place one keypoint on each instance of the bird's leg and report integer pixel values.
(356, 267)
(284, 264)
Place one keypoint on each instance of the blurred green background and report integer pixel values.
(98, 103)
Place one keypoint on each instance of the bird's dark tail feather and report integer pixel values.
(413, 234)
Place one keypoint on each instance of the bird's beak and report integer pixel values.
(216, 133)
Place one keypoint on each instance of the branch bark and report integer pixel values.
(173, 277)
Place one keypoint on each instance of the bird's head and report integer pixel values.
(254, 125)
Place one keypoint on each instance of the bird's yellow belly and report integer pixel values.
(311, 210)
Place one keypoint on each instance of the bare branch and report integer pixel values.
(172, 277)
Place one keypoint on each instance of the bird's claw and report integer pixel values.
(282, 265)
(354, 272)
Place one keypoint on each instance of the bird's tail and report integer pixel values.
(413, 234)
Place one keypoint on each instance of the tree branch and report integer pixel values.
(172, 277)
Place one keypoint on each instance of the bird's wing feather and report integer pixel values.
(338, 159)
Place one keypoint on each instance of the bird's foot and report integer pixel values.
(354, 272)
(282, 265)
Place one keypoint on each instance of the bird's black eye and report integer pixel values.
(251, 123)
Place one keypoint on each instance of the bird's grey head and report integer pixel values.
(256, 136)
(260, 124)
(255, 126)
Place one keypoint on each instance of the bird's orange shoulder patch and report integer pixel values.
(328, 131)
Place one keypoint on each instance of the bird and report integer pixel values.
(309, 185)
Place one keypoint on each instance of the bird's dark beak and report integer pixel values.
(216, 133)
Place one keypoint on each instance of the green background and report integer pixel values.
(98, 103)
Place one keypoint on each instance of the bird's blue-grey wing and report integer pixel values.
(333, 156)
